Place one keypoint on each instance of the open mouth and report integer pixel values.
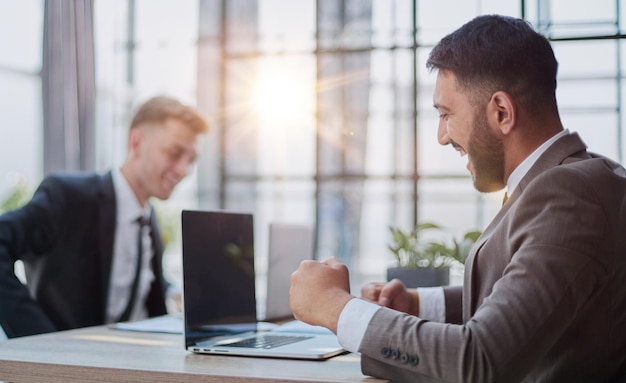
(459, 149)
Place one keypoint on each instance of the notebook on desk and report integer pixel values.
(219, 299)
(289, 245)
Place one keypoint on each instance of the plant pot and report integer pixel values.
(420, 277)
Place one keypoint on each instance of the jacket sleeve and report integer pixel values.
(27, 232)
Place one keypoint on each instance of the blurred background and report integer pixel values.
(321, 110)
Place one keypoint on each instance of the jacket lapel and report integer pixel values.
(106, 228)
(566, 149)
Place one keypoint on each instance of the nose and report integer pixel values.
(183, 167)
(442, 133)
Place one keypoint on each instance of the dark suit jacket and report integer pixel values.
(64, 235)
(544, 296)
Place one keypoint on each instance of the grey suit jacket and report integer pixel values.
(64, 235)
(544, 296)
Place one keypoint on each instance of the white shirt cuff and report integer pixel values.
(353, 321)
(432, 304)
(3, 335)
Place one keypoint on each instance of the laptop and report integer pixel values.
(289, 245)
(219, 302)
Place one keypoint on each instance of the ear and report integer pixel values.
(501, 111)
(134, 139)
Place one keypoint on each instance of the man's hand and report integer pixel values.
(392, 294)
(319, 291)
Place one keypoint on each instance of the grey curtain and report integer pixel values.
(343, 58)
(68, 82)
(227, 35)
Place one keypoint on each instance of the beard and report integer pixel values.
(486, 152)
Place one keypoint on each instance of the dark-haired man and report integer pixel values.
(543, 298)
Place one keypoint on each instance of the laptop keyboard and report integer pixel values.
(267, 341)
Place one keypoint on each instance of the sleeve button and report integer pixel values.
(404, 358)
(395, 353)
(413, 360)
(385, 352)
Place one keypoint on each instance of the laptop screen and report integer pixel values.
(218, 274)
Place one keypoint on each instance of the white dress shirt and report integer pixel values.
(357, 314)
(125, 254)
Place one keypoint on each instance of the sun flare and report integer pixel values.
(280, 97)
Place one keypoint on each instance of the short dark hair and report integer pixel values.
(494, 52)
(161, 108)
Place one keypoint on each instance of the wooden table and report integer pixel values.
(101, 354)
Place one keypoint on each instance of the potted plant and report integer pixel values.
(424, 263)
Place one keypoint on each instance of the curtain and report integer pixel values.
(68, 86)
(227, 30)
(343, 66)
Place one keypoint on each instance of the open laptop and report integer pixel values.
(289, 245)
(219, 303)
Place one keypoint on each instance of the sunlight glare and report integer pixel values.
(281, 97)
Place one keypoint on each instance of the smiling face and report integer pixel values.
(467, 129)
(160, 156)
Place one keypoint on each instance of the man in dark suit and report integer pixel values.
(79, 234)
(543, 298)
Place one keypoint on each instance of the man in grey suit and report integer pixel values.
(544, 296)
(79, 234)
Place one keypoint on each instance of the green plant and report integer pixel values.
(17, 197)
(169, 223)
(413, 252)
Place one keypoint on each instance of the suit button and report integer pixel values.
(395, 353)
(414, 360)
(404, 358)
(385, 352)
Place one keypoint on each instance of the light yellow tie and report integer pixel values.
(506, 197)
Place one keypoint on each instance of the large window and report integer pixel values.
(321, 109)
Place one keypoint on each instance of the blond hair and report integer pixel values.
(161, 108)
